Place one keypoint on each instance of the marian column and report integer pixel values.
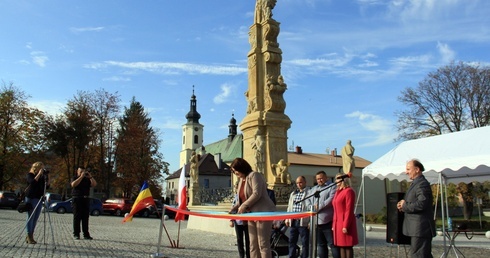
(265, 125)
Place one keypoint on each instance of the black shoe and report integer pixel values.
(76, 237)
(87, 237)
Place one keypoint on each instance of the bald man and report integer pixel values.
(299, 227)
(418, 222)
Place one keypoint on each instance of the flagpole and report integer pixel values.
(162, 224)
(178, 235)
(160, 234)
(158, 254)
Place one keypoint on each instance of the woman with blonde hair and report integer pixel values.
(344, 222)
(36, 179)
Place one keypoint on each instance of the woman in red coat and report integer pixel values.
(344, 221)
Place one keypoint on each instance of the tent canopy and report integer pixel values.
(460, 156)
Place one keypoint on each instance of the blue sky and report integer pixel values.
(345, 61)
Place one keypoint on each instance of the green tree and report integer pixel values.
(137, 152)
(20, 140)
(456, 97)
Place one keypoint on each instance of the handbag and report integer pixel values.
(24, 206)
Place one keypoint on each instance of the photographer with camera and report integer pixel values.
(36, 179)
(81, 202)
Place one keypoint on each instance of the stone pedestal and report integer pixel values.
(194, 195)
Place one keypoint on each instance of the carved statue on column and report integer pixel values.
(263, 10)
(280, 171)
(193, 167)
(258, 147)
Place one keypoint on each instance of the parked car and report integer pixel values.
(51, 198)
(117, 206)
(8, 199)
(121, 206)
(169, 213)
(66, 206)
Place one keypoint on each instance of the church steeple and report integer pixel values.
(192, 132)
(232, 128)
(193, 116)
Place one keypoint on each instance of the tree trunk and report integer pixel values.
(467, 209)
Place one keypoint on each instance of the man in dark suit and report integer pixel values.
(418, 223)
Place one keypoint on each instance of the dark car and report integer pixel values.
(51, 198)
(66, 207)
(8, 199)
(117, 206)
(169, 213)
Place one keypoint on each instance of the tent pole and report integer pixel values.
(364, 212)
(442, 212)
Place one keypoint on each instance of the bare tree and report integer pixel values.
(71, 135)
(105, 108)
(454, 98)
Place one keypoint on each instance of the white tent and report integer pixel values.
(449, 158)
(460, 157)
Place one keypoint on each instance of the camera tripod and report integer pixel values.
(40, 205)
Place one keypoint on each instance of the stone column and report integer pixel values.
(265, 119)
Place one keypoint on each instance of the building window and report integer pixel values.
(206, 183)
(183, 140)
(196, 139)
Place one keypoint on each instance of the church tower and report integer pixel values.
(232, 128)
(192, 132)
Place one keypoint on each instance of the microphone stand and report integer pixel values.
(314, 218)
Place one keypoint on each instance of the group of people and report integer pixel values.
(38, 182)
(334, 203)
(336, 225)
(336, 222)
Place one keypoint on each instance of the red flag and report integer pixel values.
(144, 200)
(182, 199)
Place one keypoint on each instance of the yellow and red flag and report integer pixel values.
(144, 200)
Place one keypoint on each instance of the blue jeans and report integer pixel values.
(35, 212)
(296, 231)
(325, 240)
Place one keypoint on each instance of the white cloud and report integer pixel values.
(380, 127)
(86, 29)
(39, 58)
(223, 95)
(403, 61)
(117, 79)
(423, 9)
(51, 107)
(172, 68)
(447, 54)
